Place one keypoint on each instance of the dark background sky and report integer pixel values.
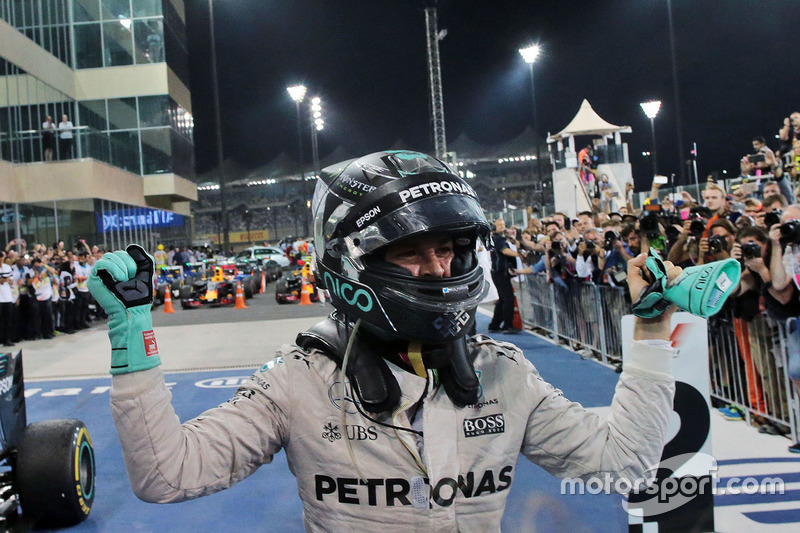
(367, 60)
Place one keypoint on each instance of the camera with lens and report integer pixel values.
(555, 247)
(697, 227)
(590, 245)
(751, 250)
(717, 244)
(772, 218)
(611, 238)
(790, 232)
(648, 225)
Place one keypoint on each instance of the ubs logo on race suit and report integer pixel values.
(331, 433)
(335, 396)
(345, 291)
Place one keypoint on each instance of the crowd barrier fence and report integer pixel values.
(749, 360)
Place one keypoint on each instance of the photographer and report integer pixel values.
(591, 259)
(504, 258)
(783, 263)
(755, 251)
(719, 244)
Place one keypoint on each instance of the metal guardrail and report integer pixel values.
(749, 360)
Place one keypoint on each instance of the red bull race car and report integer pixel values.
(288, 288)
(218, 290)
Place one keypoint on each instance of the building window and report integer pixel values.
(147, 8)
(156, 151)
(122, 114)
(118, 43)
(86, 10)
(116, 9)
(89, 53)
(125, 150)
(149, 39)
(153, 111)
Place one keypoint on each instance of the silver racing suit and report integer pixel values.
(456, 477)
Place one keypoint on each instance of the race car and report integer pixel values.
(289, 286)
(48, 467)
(218, 290)
(170, 278)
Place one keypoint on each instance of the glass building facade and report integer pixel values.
(144, 134)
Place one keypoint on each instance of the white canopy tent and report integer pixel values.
(588, 122)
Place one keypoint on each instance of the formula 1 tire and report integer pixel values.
(248, 288)
(280, 291)
(159, 299)
(55, 473)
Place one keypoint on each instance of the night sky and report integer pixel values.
(367, 60)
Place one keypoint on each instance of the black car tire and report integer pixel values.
(159, 299)
(248, 288)
(55, 473)
(280, 291)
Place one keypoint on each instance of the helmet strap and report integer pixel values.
(415, 358)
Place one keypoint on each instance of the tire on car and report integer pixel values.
(54, 473)
(280, 291)
(248, 288)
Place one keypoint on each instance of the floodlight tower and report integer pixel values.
(435, 79)
(651, 110)
(317, 124)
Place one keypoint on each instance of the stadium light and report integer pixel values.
(297, 93)
(651, 110)
(530, 53)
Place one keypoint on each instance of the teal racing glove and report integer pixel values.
(122, 282)
(700, 290)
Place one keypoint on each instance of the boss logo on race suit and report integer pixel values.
(484, 425)
(391, 492)
(435, 187)
(344, 290)
(369, 215)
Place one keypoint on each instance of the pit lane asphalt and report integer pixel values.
(188, 340)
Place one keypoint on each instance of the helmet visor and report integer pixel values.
(436, 214)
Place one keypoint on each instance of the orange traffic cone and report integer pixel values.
(263, 282)
(305, 293)
(239, 297)
(517, 322)
(168, 301)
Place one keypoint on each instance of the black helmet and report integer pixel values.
(363, 205)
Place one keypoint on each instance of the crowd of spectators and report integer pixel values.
(43, 290)
(757, 222)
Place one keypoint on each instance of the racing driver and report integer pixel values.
(390, 415)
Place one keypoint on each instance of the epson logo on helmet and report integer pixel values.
(369, 215)
(435, 187)
(351, 296)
